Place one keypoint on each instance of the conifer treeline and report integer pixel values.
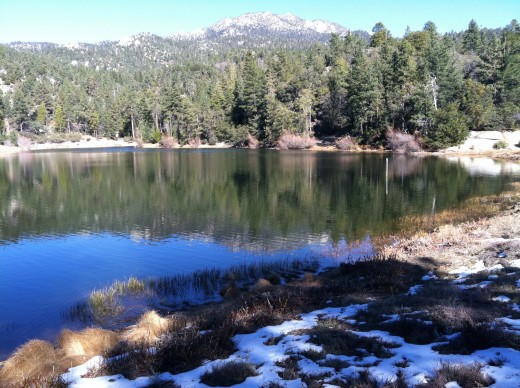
(435, 86)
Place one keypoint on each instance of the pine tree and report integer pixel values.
(41, 114)
(59, 121)
(20, 108)
(381, 34)
(472, 38)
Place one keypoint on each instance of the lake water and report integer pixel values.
(72, 221)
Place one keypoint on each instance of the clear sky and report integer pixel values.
(64, 21)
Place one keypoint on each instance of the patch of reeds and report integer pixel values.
(196, 287)
(228, 374)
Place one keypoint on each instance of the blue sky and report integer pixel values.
(64, 21)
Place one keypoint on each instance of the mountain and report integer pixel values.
(268, 24)
(253, 31)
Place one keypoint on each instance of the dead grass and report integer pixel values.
(228, 374)
(381, 273)
(32, 364)
(79, 346)
(477, 337)
(466, 375)
(291, 369)
(335, 339)
(150, 327)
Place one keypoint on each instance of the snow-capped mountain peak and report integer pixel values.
(268, 23)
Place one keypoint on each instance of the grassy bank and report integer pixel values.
(449, 292)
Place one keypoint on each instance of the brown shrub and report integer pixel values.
(168, 142)
(87, 343)
(346, 143)
(24, 142)
(32, 362)
(194, 142)
(262, 285)
(290, 141)
(252, 142)
(402, 142)
(148, 329)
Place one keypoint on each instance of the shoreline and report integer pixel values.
(89, 142)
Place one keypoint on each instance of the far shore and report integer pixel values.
(478, 144)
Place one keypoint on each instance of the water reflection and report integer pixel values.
(258, 200)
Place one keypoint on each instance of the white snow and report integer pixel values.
(502, 299)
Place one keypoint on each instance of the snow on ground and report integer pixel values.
(421, 360)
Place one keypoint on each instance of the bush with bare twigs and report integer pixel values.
(291, 141)
(402, 142)
(252, 142)
(346, 143)
(194, 142)
(168, 142)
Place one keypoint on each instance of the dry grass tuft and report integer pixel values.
(87, 343)
(148, 329)
(466, 376)
(30, 364)
(262, 285)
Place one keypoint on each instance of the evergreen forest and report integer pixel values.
(434, 86)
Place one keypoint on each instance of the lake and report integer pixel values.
(72, 221)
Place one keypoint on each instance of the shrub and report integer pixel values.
(252, 142)
(290, 141)
(13, 137)
(401, 142)
(194, 142)
(500, 145)
(228, 374)
(168, 142)
(346, 143)
(449, 128)
(24, 142)
(465, 376)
